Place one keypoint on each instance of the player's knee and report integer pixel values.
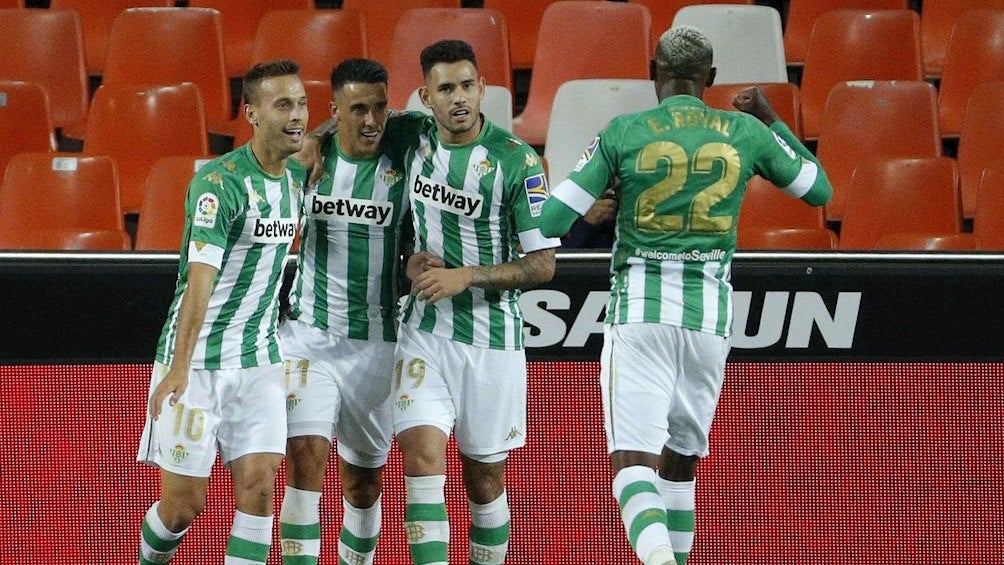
(363, 493)
(484, 481)
(677, 467)
(177, 513)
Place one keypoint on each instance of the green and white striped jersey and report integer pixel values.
(683, 169)
(242, 221)
(472, 205)
(346, 278)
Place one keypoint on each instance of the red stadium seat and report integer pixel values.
(975, 55)
(787, 239)
(137, 125)
(25, 120)
(96, 19)
(937, 18)
(889, 196)
(980, 139)
(926, 242)
(564, 29)
(900, 119)
(81, 208)
(380, 18)
(857, 45)
(523, 21)
(162, 216)
(484, 30)
(324, 39)
(47, 47)
(802, 16)
(988, 220)
(663, 12)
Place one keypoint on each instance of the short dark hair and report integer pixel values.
(366, 71)
(262, 71)
(446, 51)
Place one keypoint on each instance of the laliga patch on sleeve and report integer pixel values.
(536, 193)
(784, 145)
(205, 211)
(587, 154)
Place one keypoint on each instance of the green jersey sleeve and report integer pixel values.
(791, 166)
(572, 198)
(211, 208)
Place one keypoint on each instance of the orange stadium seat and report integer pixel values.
(975, 55)
(898, 117)
(522, 18)
(484, 30)
(766, 206)
(901, 195)
(980, 139)
(784, 97)
(81, 208)
(47, 47)
(380, 18)
(565, 28)
(164, 46)
(664, 12)
(937, 18)
(787, 239)
(96, 20)
(137, 125)
(4, 4)
(802, 16)
(25, 120)
(857, 45)
(162, 216)
(239, 20)
(988, 220)
(323, 39)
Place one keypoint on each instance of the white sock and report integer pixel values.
(489, 535)
(360, 531)
(250, 540)
(681, 500)
(643, 513)
(157, 543)
(300, 524)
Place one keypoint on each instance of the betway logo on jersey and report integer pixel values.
(273, 230)
(445, 197)
(354, 210)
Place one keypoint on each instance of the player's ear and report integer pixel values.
(423, 95)
(249, 114)
(711, 77)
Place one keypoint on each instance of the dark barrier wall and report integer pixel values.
(862, 419)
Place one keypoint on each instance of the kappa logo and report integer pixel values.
(536, 193)
(206, 208)
(353, 210)
(447, 198)
(513, 434)
(587, 155)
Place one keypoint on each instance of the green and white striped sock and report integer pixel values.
(300, 527)
(157, 543)
(357, 540)
(489, 533)
(680, 499)
(643, 513)
(250, 540)
(426, 523)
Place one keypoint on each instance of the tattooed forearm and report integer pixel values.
(534, 268)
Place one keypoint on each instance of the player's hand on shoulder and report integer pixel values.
(754, 102)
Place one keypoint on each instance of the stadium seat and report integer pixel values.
(802, 16)
(926, 242)
(857, 45)
(324, 38)
(874, 119)
(571, 129)
(239, 20)
(901, 195)
(80, 196)
(765, 206)
(25, 120)
(564, 29)
(5, 4)
(138, 125)
(484, 30)
(96, 22)
(787, 239)
(496, 105)
(748, 42)
(138, 51)
(975, 54)
(380, 18)
(784, 97)
(162, 216)
(664, 12)
(988, 219)
(937, 19)
(318, 106)
(979, 139)
(523, 22)
(47, 47)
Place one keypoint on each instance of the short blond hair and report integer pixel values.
(684, 52)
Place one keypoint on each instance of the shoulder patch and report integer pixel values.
(206, 208)
(587, 154)
(536, 193)
(784, 145)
